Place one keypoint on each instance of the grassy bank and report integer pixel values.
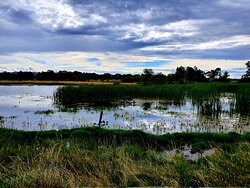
(197, 140)
(101, 157)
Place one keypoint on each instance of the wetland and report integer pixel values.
(156, 109)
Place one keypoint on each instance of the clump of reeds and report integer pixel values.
(206, 96)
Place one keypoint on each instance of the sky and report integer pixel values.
(124, 36)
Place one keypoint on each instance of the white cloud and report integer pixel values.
(19, 63)
(148, 33)
(55, 14)
(231, 42)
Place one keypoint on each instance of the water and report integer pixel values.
(187, 152)
(22, 107)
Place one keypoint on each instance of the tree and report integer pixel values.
(246, 77)
(147, 76)
(180, 73)
(214, 74)
(159, 78)
(224, 77)
(183, 74)
(148, 72)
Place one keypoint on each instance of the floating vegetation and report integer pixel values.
(12, 117)
(69, 110)
(125, 115)
(46, 112)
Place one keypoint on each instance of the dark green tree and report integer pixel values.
(147, 76)
(224, 77)
(214, 74)
(246, 77)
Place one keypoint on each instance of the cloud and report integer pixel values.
(231, 42)
(245, 4)
(141, 32)
(55, 14)
(149, 33)
(111, 62)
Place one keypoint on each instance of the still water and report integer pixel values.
(24, 108)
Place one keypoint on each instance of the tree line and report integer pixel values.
(181, 75)
(68, 76)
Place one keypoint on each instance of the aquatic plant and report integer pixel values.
(47, 112)
(69, 110)
(206, 96)
(243, 101)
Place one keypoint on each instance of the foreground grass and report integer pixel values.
(100, 157)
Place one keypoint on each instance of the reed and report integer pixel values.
(205, 95)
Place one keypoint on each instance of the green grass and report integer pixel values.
(104, 158)
(120, 136)
(205, 95)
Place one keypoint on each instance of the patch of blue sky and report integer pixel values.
(147, 64)
(95, 60)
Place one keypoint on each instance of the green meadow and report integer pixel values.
(100, 157)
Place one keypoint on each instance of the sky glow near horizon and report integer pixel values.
(124, 36)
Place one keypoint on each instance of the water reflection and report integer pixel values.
(33, 108)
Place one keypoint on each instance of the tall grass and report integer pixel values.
(47, 160)
(243, 101)
(105, 93)
(205, 95)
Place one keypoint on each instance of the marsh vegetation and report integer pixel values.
(205, 95)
